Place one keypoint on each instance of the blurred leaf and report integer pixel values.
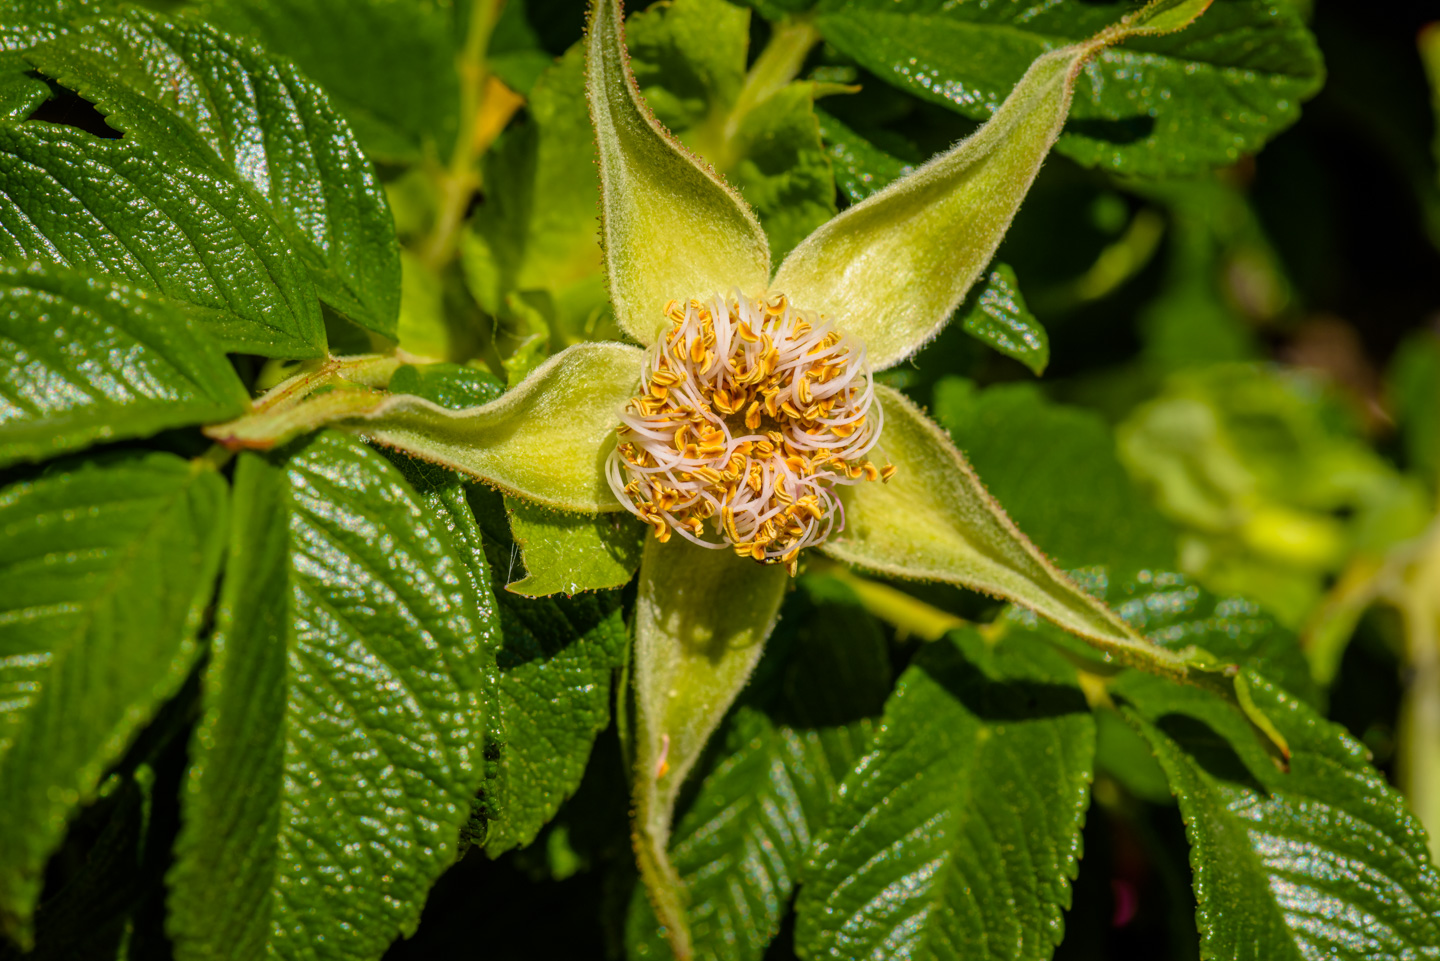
(572, 553)
(389, 65)
(112, 362)
(1413, 386)
(960, 832)
(515, 53)
(113, 207)
(107, 570)
(1055, 470)
(196, 96)
(740, 844)
(1158, 106)
(340, 745)
(1323, 861)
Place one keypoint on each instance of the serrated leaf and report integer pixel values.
(105, 575)
(340, 745)
(1325, 861)
(1056, 471)
(672, 228)
(740, 844)
(20, 94)
(388, 64)
(861, 168)
(193, 94)
(1158, 106)
(84, 360)
(958, 834)
(553, 683)
(996, 314)
(113, 207)
(573, 553)
(545, 440)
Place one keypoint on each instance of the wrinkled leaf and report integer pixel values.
(112, 207)
(340, 745)
(672, 228)
(546, 440)
(701, 622)
(570, 553)
(194, 95)
(107, 572)
(958, 835)
(83, 360)
(1159, 106)
(1324, 861)
(861, 168)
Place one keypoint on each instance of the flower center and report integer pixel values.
(750, 412)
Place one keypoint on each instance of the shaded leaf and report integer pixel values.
(83, 360)
(572, 553)
(192, 94)
(958, 835)
(113, 207)
(861, 168)
(996, 315)
(107, 571)
(340, 745)
(1158, 106)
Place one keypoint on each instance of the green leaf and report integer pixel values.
(958, 834)
(739, 846)
(546, 440)
(1323, 861)
(1055, 470)
(672, 228)
(389, 65)
(340, 744)
(84, 360)
(553, 684)
(105, 575)
(1413, 386)
(449, 385)
(570, 553)
(996, 314)
(192, 94)
(701, 622)
(892, 268)
(861, 168)
(536, 237)
(1160, 106)
(20, 94)
(757, 129)
(113, 207)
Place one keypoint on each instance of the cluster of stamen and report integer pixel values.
(749, 414)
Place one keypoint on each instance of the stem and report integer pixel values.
(458, 182)
(1418, 760)
(910, 616)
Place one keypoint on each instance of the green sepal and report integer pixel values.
(701, 622)
(672, 228)
(546, 440)
(572, 553)
(892, 268)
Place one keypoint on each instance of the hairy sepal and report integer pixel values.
(546, 440)
(893, 268)
(702, 619)
(672, 228)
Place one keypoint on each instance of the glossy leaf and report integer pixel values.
(861, 168)
(389, 66)
(193, 94)
(701, 622)
(113, 207)
(83, 360)
(1324, 861)
(569, 553)
(671, 227)
(449, 385)
(741, 842)
(107, 571)
(546, 440)
(996, 314)
(553, 690)
(340, 745)
(1159, 106)
(892, 268)
(934, 520)
(958, 835)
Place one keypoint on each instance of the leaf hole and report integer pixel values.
(66, 108)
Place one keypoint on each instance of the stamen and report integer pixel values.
(749, 414)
